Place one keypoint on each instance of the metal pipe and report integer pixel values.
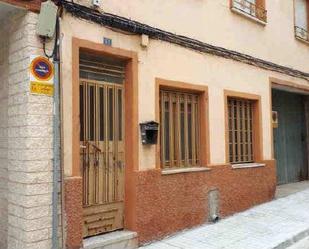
(56, 147)
(56, 160)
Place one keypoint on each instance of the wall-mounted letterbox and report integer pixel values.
(149, 132)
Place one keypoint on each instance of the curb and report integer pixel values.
(296, 238)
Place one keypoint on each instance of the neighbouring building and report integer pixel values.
(173, 114)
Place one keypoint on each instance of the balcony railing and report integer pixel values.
(250, 9)
(301, 33)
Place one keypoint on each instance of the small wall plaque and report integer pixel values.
(107, 41)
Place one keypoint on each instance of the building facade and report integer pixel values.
(26, 137)
(173, 114)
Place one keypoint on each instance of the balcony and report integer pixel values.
(301, 34)
(249, 9)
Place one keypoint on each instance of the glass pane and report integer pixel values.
(81, 112)
(101, 113)
(120, 114)
(91, 116)
(190, 131)
(101, 68)
(111, 114)
(166, 132)
(182, 130)
(175, 126)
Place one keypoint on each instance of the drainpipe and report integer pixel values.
(56, 143)
(56, 161)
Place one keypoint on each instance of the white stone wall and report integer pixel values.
(4, 68)
(25, 142)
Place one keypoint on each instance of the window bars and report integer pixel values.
(240, 123)
(101, 129)
(179, 116)
(301, 33)
(251, 8)
(101, 141)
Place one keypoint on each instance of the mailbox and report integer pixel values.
(149, 132)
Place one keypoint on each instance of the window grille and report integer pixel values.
(240, 121)
(179, 117)
(301, 9)
(251, 7)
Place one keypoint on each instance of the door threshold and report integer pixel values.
(291, 188)
(123, 239)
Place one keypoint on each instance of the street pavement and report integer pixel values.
(303, 244)
(279, 224)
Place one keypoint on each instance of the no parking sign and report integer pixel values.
(41, 76)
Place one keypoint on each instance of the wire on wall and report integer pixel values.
(125, 24)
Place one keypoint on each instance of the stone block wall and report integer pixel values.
(26, 134)
(4, 69)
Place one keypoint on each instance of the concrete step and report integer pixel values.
(113, 240)
(302, 244)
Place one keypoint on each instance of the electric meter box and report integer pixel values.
(149, 132)
(47, 19)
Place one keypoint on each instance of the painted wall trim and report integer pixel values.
(131, 117)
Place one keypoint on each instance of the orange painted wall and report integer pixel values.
(169, 203)
(165, 204)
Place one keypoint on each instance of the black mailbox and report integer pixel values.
(149, 132)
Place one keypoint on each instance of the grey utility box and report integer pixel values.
(47, 19)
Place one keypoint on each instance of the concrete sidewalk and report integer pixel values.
(277, 224)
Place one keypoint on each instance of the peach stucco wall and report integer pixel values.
(212, 21)
(209, 21)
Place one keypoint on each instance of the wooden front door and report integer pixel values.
(101, 152)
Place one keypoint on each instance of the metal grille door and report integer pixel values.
(102, 154)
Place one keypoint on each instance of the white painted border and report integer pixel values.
(183, 170)
(237, 11)
(248, 165)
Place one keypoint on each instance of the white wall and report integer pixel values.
(25, 141)
(4, 71)
(213, 22)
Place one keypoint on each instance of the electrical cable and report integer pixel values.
(54, 52)
(135, 27)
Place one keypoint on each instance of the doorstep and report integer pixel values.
(118, 239)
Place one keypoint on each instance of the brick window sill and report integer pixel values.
(247, 165)
(252, 18)
(184, 170)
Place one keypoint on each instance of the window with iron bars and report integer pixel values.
(301, 9)
(179, 117)
(254, 8)
(240, 123)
